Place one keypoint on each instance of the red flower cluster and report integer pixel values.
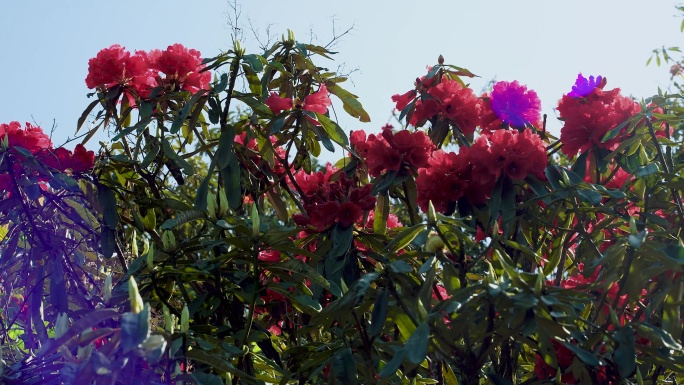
(588, 119)
(579, 281)
(473, 172)
(390, 151)
(317, 102)
(33, 139)
(565, 357)
(142, 71)
(328, 201)
(79, 160)
(449, 99)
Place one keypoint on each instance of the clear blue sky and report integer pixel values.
(46, 45)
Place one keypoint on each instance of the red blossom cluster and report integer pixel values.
(61, 159)
(473, 172)
(182, 69)
(392, 151)
(578, 281)
(331, 198)
(33, 139)
(565, 357)
(587, 119)
(448, 99)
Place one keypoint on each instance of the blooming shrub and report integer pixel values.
(466, 244)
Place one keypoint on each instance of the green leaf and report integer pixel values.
(85, 323)
(135, 328)
(344, 366)
(391, 367)
(207, 378)
(381, 214)
(350, 102)
(646, 170)
(216, 362)
(379, 313)
(403, 239)
(416, 346)
(625, 353)
(85, 114)
(182, 218)
(333, 130)
(587, 357)
(254, 62)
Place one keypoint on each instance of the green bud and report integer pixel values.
(150, 258)
(137, 304)
(255, 220)
(185, 320)
(146, 245)
(223, 203)
(107, 293)
(211, 205)
(134, 244)
(432, 215)
(169, 323)
(168, 240)
(61, 324)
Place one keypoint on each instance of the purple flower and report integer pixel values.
(514, 104)
(584, 87)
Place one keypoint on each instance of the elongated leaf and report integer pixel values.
(333, 130)
(350, 102)
(403, 239)
(182, 218)
(92, 318)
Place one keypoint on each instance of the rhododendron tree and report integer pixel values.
(464, 244)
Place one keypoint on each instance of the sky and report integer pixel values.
(543, 44)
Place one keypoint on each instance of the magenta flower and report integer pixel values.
(584, 87)
(514, 104)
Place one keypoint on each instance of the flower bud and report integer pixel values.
(137, 304)
(134, 244)
(61, 324)
(150, 257)
(185, 320)
(168, 240)
(211, 205)
(255, 220)
(434, 244)
(223, 203)
(169, 322)
(107, 292)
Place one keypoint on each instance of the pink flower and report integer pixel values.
(278, 104)
(317, 102)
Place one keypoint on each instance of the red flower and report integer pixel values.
(403, 100)
(588, 119)
(390, 151)
(182, 67)
(348, 213)
(115, 65)
(457, 103)
(62, 159)
(32, 138)
(269, 256)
